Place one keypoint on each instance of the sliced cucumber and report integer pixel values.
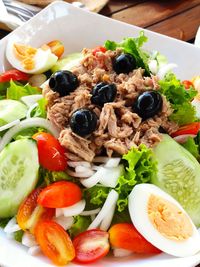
(18, 174)
(68, 62)
(179, 175)
(11, 110)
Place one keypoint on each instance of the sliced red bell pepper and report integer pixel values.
(192, 128)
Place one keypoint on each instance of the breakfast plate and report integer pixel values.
(77, 29)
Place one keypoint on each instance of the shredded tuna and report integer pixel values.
(118, 127)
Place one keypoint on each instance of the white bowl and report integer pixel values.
(77, 28)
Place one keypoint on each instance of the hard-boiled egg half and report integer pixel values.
(162, 221)
(29, 59)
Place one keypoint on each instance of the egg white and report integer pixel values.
(138, 203)
(44, 59)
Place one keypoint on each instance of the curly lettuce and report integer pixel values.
(179, 98)
(133, 46)
(80, 225)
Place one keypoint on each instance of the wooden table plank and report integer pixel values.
(117, 5)
(183, 26)
(151, 12)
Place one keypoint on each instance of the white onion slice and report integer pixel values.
(33, 122)
(59, 212)
(120, 252)
(65, 222)
(110, 201)
(74, 164)
(90, 212)
(80, 174)
(153, 66)
(110, 176)
(33, 251)
(79, 169)
(12, 226)
(183, 138)
(112, 162)
(37, 80)
(28, 240)
(94, 179)
(164, 69)
(9, 125)
(30, 100)
(75, 209)
(28, 115)
(106, 222)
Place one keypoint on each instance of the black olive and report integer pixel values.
(103, 93)
(148, 104)
(83, 122)
(124, 63)
(63, 82)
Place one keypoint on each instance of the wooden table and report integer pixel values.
(176, 18)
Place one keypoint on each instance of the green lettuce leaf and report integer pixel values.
(4, 221)
(192, 147)
(16, 90)
(18, 236)
(40, 110)
(95, 195)
(179, 98)
(28, 133)
(121, 217)
(3, 90)
(80, 224)
(133, 46)
(141, 166)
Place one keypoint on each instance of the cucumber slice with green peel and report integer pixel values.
(68, 62)
(19, 167)
(179, 175)
(11, 110)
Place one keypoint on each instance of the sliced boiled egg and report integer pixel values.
(162, 221)
(29, 59)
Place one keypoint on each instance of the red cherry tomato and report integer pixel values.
(51, 153)
(55, 243)
(125, 236)
(91, 246)
(59, 195)
(99, 49)
(192, 128)
(187, 84)
(29, 213)
(14, 75)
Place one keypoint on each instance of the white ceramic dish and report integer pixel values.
(77, 29)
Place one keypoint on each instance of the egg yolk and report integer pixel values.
(168, 219)
(25, 54)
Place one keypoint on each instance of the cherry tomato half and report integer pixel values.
(59, 195)
(51, 153)
(192, 128)
(54, 242)
(99, 49)
(57, 48)
(91, 246)
(125, 236)
(15, 75)
(187, 84)
(29, 213)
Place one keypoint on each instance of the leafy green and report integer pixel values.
(47, 177)
(3, 90)
(28, 133)
(192, 147)
(141, 166)
(80, 224)
(40, 110)
(96, 195)
(18, 236)
(16, 90)
(121, 217)
(3, 222)
(179, 98)
(133, 46)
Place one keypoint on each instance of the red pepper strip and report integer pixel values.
(192, 128)
(14, 75)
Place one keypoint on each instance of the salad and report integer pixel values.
(99, 152)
